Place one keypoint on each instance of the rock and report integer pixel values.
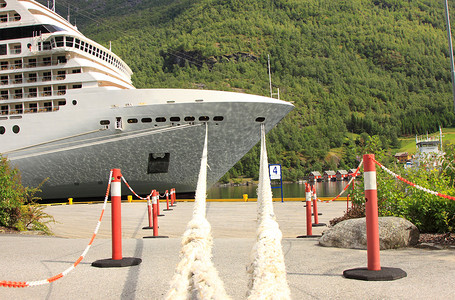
(394, 233)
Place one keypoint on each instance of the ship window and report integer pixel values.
(18, 108)
(3, 65)
(47, 76)
(260, 119)
(61, 102)
(15, 48)
(3, 50)
(2, 130)
(74, 102)
(146, 120)
(218, 118)
(132, 121)
(61, 59)
(32, 77)
(16, 129)
(69, 41)
(18, 94)
(18, 78)
(2, 3)
(189, 119)
(33, 107)
(4, 80)
(47, 91)
(158, 163)
(204, 118)
(46, 61)
(4, 109)
(47, 46)
(17, 17)
(32, 62)
(61, 90)
(59, 41)
(61, 75)
(77, 86)
(76, 71)
(160, 119)
(47, 106)
(105, 122)
(18, 64)
(4, 95)
(175, 119)
(77, 43)
(32, 92)
(3, 18)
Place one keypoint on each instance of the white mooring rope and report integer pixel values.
(267, 271)
(195, 275)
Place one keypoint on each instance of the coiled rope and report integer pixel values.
(195, 274)
(267, 271)
(73, 266)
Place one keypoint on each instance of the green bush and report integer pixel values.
(18, 205)
(430, 213)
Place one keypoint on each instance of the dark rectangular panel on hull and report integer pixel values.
(158, 163)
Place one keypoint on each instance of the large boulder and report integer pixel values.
(394, 233)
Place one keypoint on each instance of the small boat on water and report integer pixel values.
(69, 112)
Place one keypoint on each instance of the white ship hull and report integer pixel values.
(75, 152)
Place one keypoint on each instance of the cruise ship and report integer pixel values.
(69, 113)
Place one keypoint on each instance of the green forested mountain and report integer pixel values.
(379, 67)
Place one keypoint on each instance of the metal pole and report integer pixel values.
(449, 36)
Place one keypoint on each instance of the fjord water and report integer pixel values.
(290, 190)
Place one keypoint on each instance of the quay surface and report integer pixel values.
(313, 272)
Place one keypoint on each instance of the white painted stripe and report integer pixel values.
(308, 196)
(370, 180)
(154, 200)
(116, 189)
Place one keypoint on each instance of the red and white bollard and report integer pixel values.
(167, 201)
(373, 272)
(116, 215)
(155, 197)
(173, 198)
(315, 208)
(309, 225)
(149, 213)
(158, 204)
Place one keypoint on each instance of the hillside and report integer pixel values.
(379, 67)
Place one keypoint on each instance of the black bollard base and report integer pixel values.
(160, 215)
(167, 209)
(308, 236)
(117, 263)
(385, 274)
(319, 224)
(148, 227)
(156, 237)
(319, 214)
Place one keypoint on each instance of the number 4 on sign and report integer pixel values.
(275, 172)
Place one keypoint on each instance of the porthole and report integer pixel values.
(16, 129)
(132, 121)
(74, 102)
(146, 120)
(260, 119)
(204, 118)
(175, 119)
(189, 119)
(160, 119)
(218, 118)
(105, 122)
(2, 130)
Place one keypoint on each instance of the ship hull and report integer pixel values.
(73, 152)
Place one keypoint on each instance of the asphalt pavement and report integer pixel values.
(313, 272)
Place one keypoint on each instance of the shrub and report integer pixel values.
(18, 205)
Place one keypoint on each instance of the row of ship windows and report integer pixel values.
(176, 119)
(32, 62)
(9, 16)
(30, 107)
(33, 92)
(15, 129)
(69, 41)
(20, 78)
